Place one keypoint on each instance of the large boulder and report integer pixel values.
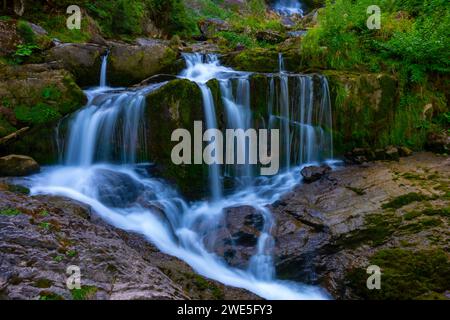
(370, 100)
(83, 60)
(211, 26)
(314, 173)
(35, 96)
(18, 166)
(236, 237)
(438, 142)
(130, 64)
(176, 106)
(116, 189)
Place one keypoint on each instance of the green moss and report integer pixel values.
(358, 191)
(45, 225)
(85, 293)
(5, 127)
(43, 283)
(38, 114)
(46, 295)
(256, 60)
(71, 253)
(10, 212)
(18, 189)
(405, 275)
(376, 230)
(444, 212)
(404, 200)
(203, 284)
(58, 258)
(26, 32)
(412, 215)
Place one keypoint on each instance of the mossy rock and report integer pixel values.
(130, 64)
(406, 275)
(175, 106)
(36, 96)
(254, 60)
(369, 100)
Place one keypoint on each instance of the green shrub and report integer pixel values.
(25, 31)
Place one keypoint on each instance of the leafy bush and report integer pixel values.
(171, 16)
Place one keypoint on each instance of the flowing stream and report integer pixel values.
(102, 148)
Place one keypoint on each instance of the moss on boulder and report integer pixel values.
(35, 96)
(175, 106)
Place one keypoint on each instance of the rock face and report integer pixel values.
(211, 26)
(130, 64)
(41, 236)
(35, 96)
(370, 101)
(9, 37)
(44, 235)
(438, 142)
(17, 166)
(334, 227)
(236, 236)
(314, 173)
(174, 106)
(116, 189)
(82, 60)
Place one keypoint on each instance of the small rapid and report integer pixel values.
(102, 167)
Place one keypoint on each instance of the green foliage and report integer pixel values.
(10, 212)
(84, 293)
(406, 275)
(404, 200)
(171, 16)
(25, 31)
(233, 39)
(51, 93)
(23, 52)
(38, 114)
(343, 41)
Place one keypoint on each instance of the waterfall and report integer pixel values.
(115, 117)
(285, 113)
(288, 7)
(103, 70)
(103, 146)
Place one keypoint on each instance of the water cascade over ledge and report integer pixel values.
(102, 148)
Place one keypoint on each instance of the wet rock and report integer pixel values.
(314, 173)
(116, 189)
(130, 64)
(83, 60)
(326, 229)
(236, 236)
(392, 153)
(404, 152)
(36, 96)
(46, 234)
(438, 142)
(269, 36)
(18, 166)
(211, 26)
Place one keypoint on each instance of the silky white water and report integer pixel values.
(288, 7)
(101, 167)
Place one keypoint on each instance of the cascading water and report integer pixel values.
(103, 70)
(288, 7)
(110, 129)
